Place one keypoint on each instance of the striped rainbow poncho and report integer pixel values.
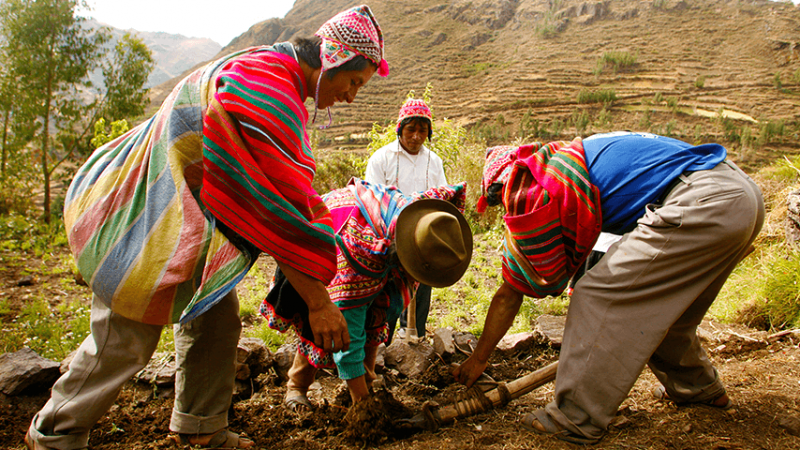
(227, 149)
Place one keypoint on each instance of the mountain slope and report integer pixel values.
(173, 53)
(696, 60)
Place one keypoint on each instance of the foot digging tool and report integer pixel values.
(474, 400)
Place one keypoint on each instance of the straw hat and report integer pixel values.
(434, 242)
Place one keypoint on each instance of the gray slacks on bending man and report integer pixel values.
(118, 348)
(641, 304)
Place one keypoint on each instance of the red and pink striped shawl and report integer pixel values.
(258, 164)
(553, 217)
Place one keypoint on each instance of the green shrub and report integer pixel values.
(118, 128)
(604, 96)
(20, 232)
(731, 130)
(776, 81)
(335, 169)
(783, 291)
(672, 103)
(581, 121)
(763, 291)
(771, 131)
(646, 120)
(603, 118)
(617, 60)
(658, 97)
(551, 23)
(700, 82)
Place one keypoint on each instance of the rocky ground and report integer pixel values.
(761, 372)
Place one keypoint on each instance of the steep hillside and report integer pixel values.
(695, 62)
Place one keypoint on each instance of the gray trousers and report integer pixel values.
(641, 304)
(118, 348)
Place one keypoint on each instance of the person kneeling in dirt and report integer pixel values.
(165, 220)
(387, 243)
(687, 216)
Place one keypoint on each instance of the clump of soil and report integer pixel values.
(376, 419)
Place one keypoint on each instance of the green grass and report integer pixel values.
(272, 339)
(51, 332)
(253, 290)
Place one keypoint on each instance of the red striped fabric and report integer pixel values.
(553, 217)
(258, 164)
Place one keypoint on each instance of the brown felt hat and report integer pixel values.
(434, 242)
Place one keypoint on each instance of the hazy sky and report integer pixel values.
(219, 20)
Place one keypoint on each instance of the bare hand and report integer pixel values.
(329, 328)
(326, 321)
(469, 372)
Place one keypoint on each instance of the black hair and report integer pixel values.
(308, 50)
(417, 120)
(493, 193)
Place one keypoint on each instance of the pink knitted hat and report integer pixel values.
(499, 161)
(413, 108)
(351, 33)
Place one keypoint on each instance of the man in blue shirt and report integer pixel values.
(686, 215)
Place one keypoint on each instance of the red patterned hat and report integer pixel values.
(499, 161)
(414, 108)
(351, 33)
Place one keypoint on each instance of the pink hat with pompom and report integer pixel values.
(351, 33)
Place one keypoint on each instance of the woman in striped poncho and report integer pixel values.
(166, 220)
(687, 216)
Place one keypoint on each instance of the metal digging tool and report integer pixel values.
(474, 400)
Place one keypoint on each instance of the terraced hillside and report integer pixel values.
(492, 61)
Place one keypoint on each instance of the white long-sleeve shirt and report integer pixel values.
(393, 166)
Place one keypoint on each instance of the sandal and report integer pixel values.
(540, 422)
(298, 403)
(221, 440)
(721, 401)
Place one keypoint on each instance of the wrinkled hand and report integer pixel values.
(329, 327)
(469, 372)
(326, 321)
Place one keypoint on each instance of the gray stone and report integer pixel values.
(159, 371)
(380, 358)
(550, 329)
(410, 359)
(25, 371)
(284, 358)
(512, 343)
(252, 358)
(465, 341)
(444, 342)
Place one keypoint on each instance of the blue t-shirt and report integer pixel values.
(634, 169)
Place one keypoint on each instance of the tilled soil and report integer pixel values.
(764, 384)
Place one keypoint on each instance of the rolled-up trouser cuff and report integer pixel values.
(66, 442)
(189, 424)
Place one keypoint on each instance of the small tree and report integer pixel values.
(51, 53)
